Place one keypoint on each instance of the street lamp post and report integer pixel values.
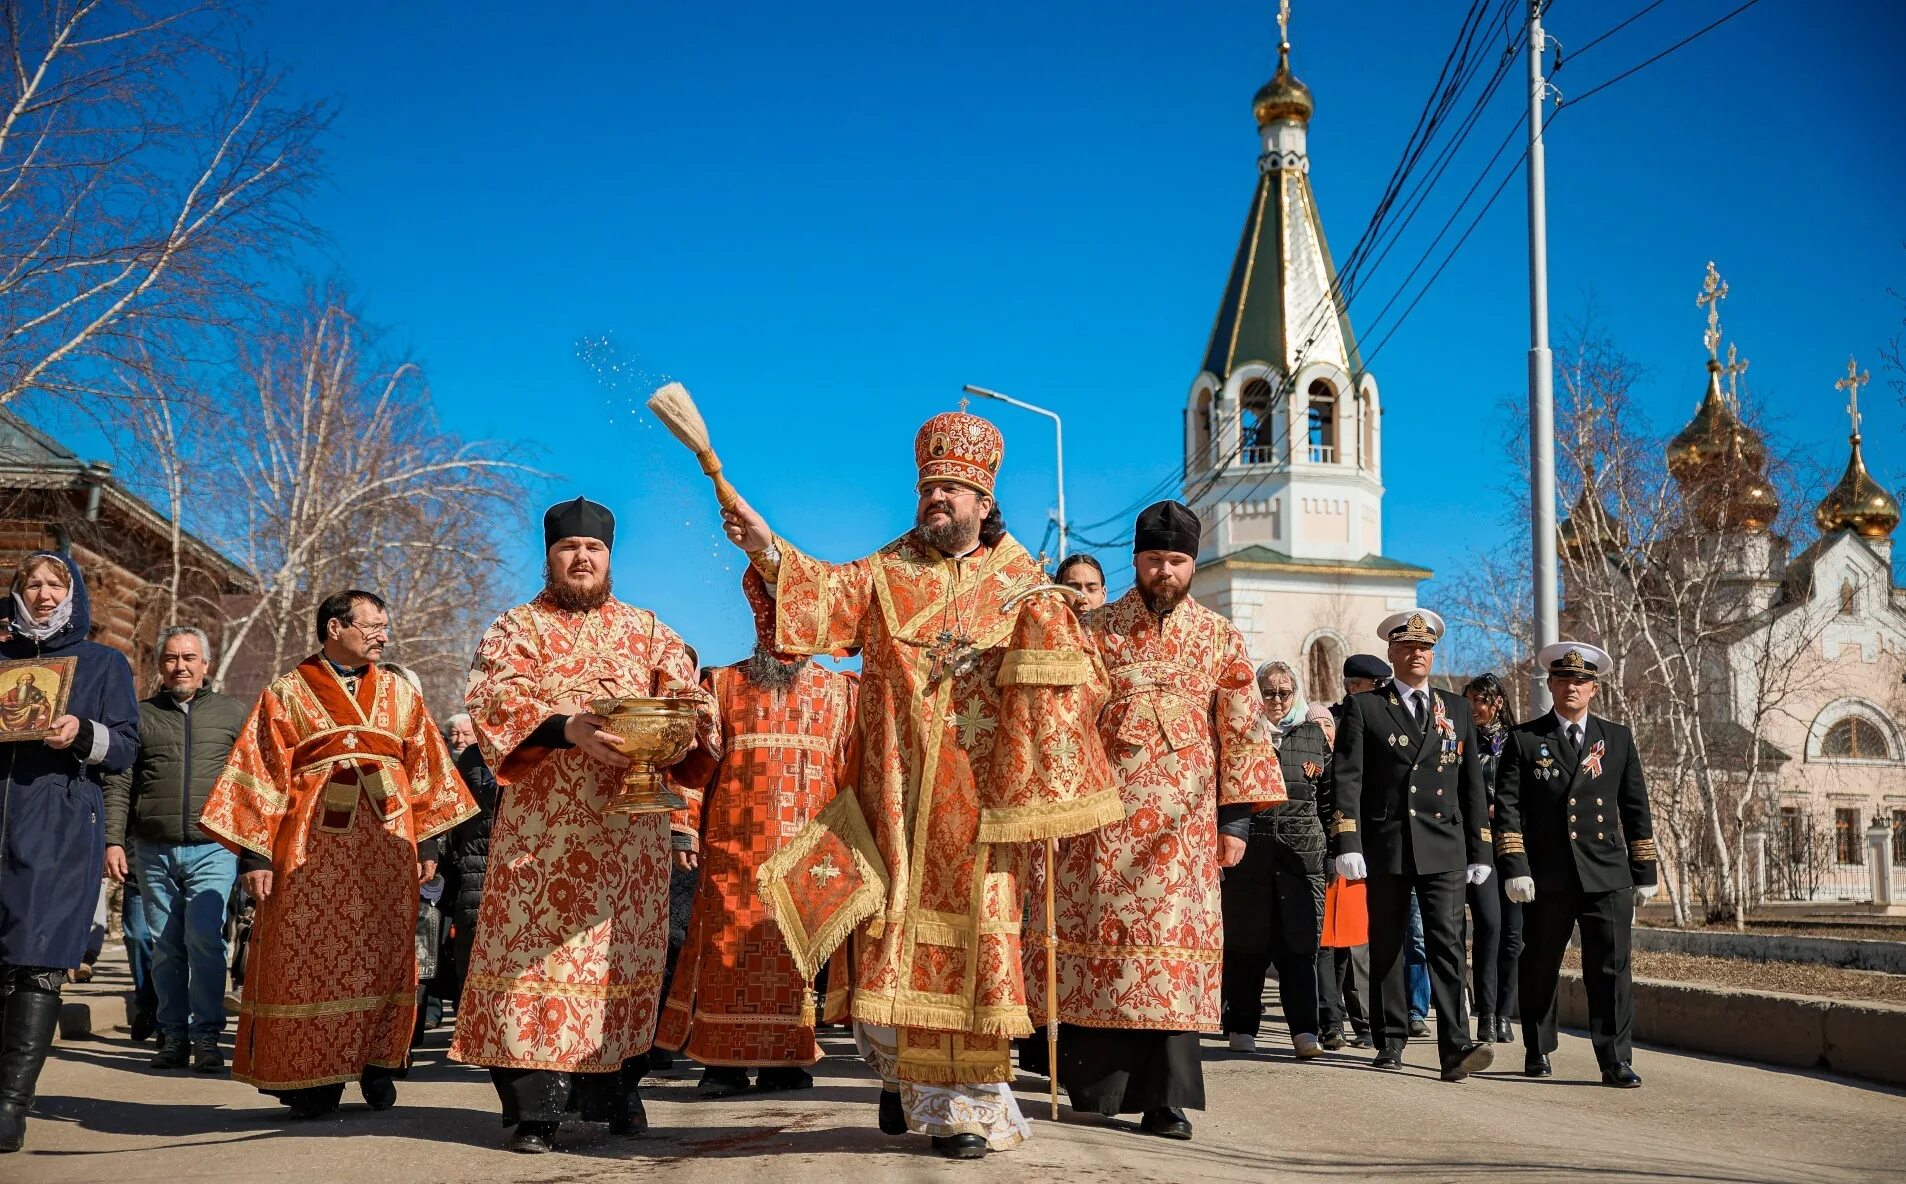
(1059, 446)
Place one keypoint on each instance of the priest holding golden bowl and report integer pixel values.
(589, 711)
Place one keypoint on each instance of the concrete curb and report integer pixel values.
(1853, 1038)
(1888, 957)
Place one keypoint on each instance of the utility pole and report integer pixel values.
(1059, 447)
(1541, 369)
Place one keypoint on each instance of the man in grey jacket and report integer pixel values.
(185, 733)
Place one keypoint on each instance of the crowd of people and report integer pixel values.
(1035, 826)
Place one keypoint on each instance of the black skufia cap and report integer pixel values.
(580, 519)
(1167, 526)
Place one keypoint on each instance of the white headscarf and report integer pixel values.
(1299, 709)
(25, 626)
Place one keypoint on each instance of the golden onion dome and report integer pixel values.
(1589, 526)
(1283, 97)
(1715, 435)
(1858, 503)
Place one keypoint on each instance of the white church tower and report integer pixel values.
(1283, 431)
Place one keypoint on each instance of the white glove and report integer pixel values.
(1520, 889)
(1646, 892)
(1477, 873)
(1350, 866)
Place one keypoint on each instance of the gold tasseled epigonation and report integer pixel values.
(1283, 97)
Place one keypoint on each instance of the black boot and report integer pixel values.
(893, 1116)
(960, 1146)
(32, 1014)
(533, 1138)
(784, 1077)
(722, 1081)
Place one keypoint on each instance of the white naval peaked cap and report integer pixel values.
(1416, 624)
(1574, 658)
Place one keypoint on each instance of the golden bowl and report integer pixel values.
(656, 734)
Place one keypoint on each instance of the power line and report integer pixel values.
(1610, 33)
(1632, 70)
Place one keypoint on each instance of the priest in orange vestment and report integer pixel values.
(1140, 920)
(977, 701)
(787, 745)
(330, 799)
(566, 974)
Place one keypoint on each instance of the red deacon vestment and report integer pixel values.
(737, 997)
(335, 790)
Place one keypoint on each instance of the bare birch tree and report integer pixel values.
(132, 194)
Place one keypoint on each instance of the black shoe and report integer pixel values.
(660, 1060)
(172, 1054)
(533, 1138)
(1390, 1056)
(25, 1036)
(1359, 1040)
(1419, 1029)
(893, 1116)
(314, 1106)
(960, 1146)
(631, 1119)
(1486, 1029)
(1331, 1041)
(144, 1024)
(722, 1081)
(206, 1058)
(1621, 1076)
(1167, 1123)
(1535, 1064)
(1505, 1030)
(380, 1092)
(783, 1078)
(1470, 1058)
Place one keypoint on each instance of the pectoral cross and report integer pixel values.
(1851, 384)
(952, 655)
(1713, 291)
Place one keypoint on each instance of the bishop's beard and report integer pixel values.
(763, 669)
(1162, 603)
(571, 599)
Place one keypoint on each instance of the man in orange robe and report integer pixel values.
(565, 977)
(1139, 916)
(977, 700)
(330, 799)
(787, 744)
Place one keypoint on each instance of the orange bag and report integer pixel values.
(1346, 914)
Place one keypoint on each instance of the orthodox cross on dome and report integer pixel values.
(1734, 369)
(1851, 384)
(963, 402)
(1284, 22)
(1713, 291)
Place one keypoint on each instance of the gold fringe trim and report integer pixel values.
(1050, 820)
(1044, 668)
(810, 951)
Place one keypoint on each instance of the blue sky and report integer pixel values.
(826, 218)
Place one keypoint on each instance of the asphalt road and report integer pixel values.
(103, 1118)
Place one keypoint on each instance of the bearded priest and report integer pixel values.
(1139, 914)
(978, 695)
(560, 1000)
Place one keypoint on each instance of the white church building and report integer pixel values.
(1283, 432)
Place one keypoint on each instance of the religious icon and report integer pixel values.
(33, 693)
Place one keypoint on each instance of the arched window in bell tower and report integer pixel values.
(1366, 431)
(1199, 458)
(1261, 424)
(1323, 423)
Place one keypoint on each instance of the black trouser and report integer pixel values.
(1441, 896)
(1273, 915)
(1343, 985)
(1495, 946)
(545, 1095)
(334, 1092)
(1606, 919)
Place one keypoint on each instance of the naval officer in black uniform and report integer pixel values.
(1413, 813)
(1575, 840)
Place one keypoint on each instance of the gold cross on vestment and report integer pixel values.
(825, 870)
(972, 724)
(350, 739)
(1851, 384)
(1713, 291)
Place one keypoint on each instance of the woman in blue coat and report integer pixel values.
(52, 823)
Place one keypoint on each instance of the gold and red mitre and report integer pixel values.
(959, 446)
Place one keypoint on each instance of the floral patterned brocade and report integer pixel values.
(1140, 928)
(978, 693)
(573, 928)
(336, 790)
